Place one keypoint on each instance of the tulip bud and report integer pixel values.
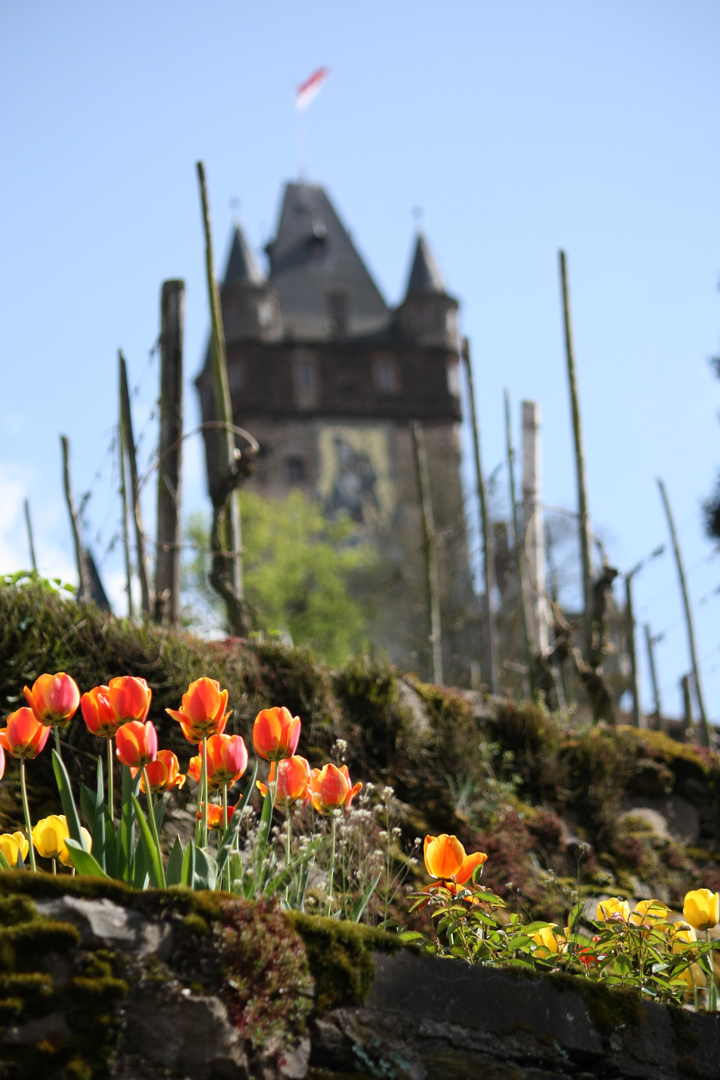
(276, 733)
(23, 736)
(136, 743)
(54, 699)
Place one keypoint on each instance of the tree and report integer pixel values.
(299, 567)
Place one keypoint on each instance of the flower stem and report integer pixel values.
(26, 811)
(332, 864)
(111, 786)
(288, 838)
(204, 792)
(153, 825)
(57, 742)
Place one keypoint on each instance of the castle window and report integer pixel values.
(294, 470)
(236, 376)
(453, 378)
(306, 380)
(337, 313)
(265, 313)
(386, 374)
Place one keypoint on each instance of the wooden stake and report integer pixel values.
(706, 734)
(639, 719)
(579, 460)
(687, 709)
(431, 567)
(134, 486)
(122, 444)
(28, 523)
(167, 565)
(519, 548)
(488, 569)
(84, 592)
(650, 645)
(226, 575)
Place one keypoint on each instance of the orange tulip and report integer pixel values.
(276, 733)
(227, 759)
(215, 815)
(2, 762)
(136, 743)
(54, 699)
(202, 712)
(293, 775)
(98, 713)
(446, 860)
(24, 736)
(129, 699)
(163, 773)
(330, 788)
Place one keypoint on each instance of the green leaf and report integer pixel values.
(411, 935)
(358, 909)
(174, 872)
(188, 866)
(4, 864)
(205, 876)
(126, 833)
(67, 799)
(153, 857)
(83, 861)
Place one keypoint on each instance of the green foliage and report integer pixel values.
(298, 569)
(266, 979)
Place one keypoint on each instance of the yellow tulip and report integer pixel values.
(12, 845)
(549, 940)
(649, 913)
(613, 910)
(49, 836)
(65, 853)
(702, 908)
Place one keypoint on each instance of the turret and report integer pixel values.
(251, 311)
(427, 315)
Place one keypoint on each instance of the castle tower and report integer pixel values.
(327, 378)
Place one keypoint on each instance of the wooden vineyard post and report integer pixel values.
(84, 592)
(167, 564)
(639, 719)
(488, 569)
(705, 728)
(28, 523)
(431, 567)
(134, 486)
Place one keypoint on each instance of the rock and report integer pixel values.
(169, 1026)
(670, 817)
(104, 924)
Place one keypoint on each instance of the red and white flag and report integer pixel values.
(310, 88)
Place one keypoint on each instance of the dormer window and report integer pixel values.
(386, 374)
(306, 380)
(294, 470)
(337, 312)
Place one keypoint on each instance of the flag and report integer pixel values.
(309, 89)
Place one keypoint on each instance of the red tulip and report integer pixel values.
(2, 762)
(129, 699)
(276, 733)
(163, 773)
(54, 699)
(24, 736)
(293, 774)
(98, 713)
(330, 788)
(136, 743)
(227, 759)
(202, 712)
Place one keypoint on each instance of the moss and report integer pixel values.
(340, 956)
(196, 924)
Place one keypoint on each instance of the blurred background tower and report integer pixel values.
(328, 378)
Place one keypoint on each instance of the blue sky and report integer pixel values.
(517, 128)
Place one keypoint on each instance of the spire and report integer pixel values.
(241, 266)
(425, 276)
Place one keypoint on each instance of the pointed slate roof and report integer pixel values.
(312, 260)
(241, 265)
(425, 273)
